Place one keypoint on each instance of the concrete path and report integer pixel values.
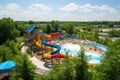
(40, 68)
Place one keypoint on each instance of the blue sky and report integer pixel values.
(62, 10)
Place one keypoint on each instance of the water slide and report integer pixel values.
(39, 44)
(30, 29)
(53, 36)
(53, 54)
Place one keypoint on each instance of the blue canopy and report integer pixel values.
(7, 65)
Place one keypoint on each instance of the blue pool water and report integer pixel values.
(72, 50)
(97, 45)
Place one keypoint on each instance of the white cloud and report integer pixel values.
(106, 8)
(87, 8)
(32, 12)
(91, 8)
(72, 12)
(12, 6)
(9, 10)
(40, 7)
(70, 7)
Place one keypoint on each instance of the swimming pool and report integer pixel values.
(97, 45)
(72, 50)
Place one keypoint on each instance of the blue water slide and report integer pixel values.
(30, 29)
(52, 45)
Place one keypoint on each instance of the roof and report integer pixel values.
(30, 29)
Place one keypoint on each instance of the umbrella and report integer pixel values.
(7, 65)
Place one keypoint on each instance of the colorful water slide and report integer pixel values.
(53, 54)
(39, 44)
(53, 36)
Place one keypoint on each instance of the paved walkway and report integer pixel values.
(24, 49)
(40, 68)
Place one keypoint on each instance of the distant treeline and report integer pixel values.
(77, 22)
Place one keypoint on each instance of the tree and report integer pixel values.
(4, 57)
(111, 24)
(7, 30)
(13, 46)
(6, 53)
(55, 25)
(70, 28)
(114, 47)
(24, 68)
(49, 29)
(26, 72)
(109, 69)
(96, 36)
(31, 22)
(81, 67)
(68, 68)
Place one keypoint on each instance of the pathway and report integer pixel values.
(40, 68)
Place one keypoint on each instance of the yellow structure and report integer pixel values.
(47, 55)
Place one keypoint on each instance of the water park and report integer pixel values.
(52, 47)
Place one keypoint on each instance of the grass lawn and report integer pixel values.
(20, 39)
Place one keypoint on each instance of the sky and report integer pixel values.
(61, 10)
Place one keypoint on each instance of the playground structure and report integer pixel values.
(45, 42)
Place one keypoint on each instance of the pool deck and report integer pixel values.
(92, 50)
(81, 42)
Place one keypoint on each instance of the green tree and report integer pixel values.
(26, 72)
(96, 36)
(81, 67)
(13, 46)
(68, 68)
(70, 28)
(7, 30)
(24, 68)
(55, 25)
(31, 22)
(49, 29)
(109, 69)
(111, 24)
(6, 53)
(4, 57)
(21, 27)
